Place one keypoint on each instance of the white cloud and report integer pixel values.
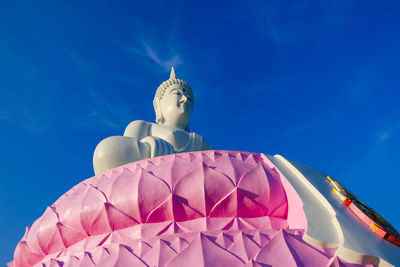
(175, 60)
(148, 51)
(101, 106)
(387, 134)
(103, 120)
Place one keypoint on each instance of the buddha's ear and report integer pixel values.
(157, 109)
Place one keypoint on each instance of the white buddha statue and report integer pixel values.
(173, 104)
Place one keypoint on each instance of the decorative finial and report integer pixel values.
(172, 76)
(172, 80)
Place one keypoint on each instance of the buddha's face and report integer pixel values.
(177, 105)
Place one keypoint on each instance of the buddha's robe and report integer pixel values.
(143, 140)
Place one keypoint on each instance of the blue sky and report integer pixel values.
(315, 81)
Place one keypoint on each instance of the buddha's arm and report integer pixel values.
(115, 151)
(142, 131)
(136, 144)
(138, 129)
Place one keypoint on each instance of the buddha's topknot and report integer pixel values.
(172, 80)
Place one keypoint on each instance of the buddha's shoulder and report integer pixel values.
(138, 128)
(139, 123)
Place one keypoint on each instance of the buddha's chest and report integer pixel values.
(177, 138)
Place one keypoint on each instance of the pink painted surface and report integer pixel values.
(208, 208)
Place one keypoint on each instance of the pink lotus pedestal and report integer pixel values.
(208, 208)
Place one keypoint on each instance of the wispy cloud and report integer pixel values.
(375, 152)
(104, 120)
(148, 51)
(388, 133)
(102, 106)
(4, 114)
(24, 118)
(271, 18)
(175, 60)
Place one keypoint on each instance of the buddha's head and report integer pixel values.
(173, 103)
